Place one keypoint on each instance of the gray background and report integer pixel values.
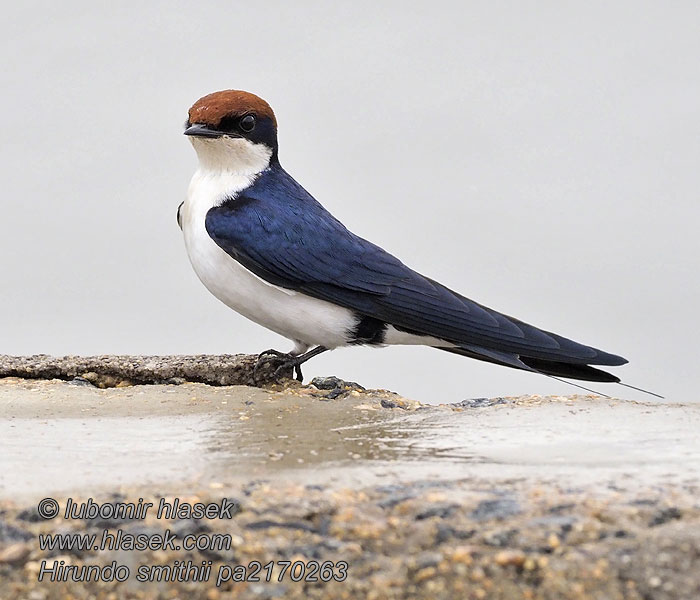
(542, 160)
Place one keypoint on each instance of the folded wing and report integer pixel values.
(279, 232)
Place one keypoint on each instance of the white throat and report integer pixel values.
(231, 155)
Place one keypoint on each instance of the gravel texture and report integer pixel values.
(461, 540)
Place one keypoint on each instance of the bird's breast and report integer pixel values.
(289, 313)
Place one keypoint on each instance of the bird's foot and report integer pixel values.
(284, 361)
(273, 352)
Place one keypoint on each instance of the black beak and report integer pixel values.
(201, 130)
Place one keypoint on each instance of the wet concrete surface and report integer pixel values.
(83, 437)
(532, 497)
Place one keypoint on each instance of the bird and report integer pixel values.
(265, 247)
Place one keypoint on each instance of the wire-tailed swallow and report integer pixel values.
(266, 248)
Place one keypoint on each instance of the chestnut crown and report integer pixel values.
(235, 114)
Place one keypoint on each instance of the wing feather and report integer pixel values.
(278, 231)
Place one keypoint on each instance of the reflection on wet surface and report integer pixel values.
(100, 451)
(59, 437)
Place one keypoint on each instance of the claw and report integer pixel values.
(287, 361)
(273, 352)
(290, 361)
(270, 356)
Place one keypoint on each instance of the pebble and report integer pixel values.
(510, 557)
(463, 554)
(423, 574)
(14, 553)
(664, 515)
(495, 509)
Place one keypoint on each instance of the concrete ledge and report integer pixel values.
(120, 371)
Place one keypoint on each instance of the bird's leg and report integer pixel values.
(286, 360)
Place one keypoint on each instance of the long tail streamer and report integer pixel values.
(578, 386)
(642, 390)
(627, 385)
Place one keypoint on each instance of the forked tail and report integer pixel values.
(552, 369)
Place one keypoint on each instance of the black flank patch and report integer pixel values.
(368, 331)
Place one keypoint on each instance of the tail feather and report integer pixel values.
(562, 369)
(550, 368)
(537, 365)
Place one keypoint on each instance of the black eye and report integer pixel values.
(247, 123)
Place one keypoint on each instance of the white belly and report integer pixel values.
(305, 320)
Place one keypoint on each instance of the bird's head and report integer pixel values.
(233, 131)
